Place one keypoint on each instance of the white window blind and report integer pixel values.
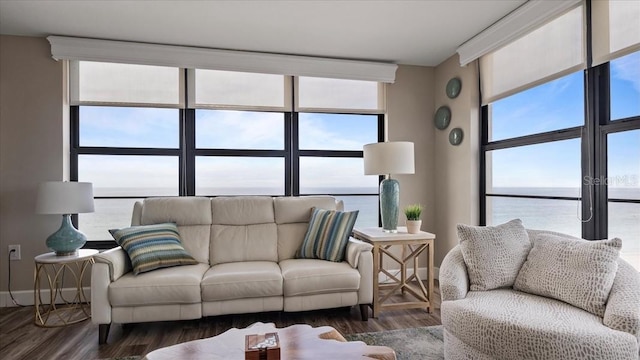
(551, 51)
(616, 29)
(231, 90)
(354, 96)
(96, 83)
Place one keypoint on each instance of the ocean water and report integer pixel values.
(557, 215)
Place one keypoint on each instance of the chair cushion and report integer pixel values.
(493, 254)
(313, 276)
(153, 247)
(327, 235)
(241, 280)
(578, 272)
(175, 285)
(509, 324)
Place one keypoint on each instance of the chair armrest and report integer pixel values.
(117, 260)
(453, 277)
(354, 249)
(623, 306)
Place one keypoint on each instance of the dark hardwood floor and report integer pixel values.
(21, 339)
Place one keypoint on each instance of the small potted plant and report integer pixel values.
(413, 212)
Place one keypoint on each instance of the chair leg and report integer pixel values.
(364, 312)
(103, 333)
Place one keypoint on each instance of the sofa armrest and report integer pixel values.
(109, 266)
(354, 250)
(623, 306)
(453, 277)
(117, 260)
(360, 257)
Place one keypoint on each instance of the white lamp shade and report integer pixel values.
(62, 197)
(394, 157)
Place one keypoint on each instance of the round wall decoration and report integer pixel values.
(442, 117)
(455, 136)
(453, 88)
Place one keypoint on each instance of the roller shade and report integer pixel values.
(616, 29)
(549, 52)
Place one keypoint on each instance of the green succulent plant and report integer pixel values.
(413, 212)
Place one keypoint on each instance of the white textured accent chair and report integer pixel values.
(245, 247)
(505, 323)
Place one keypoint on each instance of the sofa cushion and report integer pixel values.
(313, 276)
(176, 285)
(578, 272)
(241, 280)
(153, 247)
(298, 209)
(290, 237)
(493, 254)
(234, 243)
(181, 210)
(242, 210)
(509, 324)
(327, 235)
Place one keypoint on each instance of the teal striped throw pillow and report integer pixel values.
(328, 235)
(153, 247)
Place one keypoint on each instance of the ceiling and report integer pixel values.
(413, 32)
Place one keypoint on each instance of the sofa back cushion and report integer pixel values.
(243, 229)
(292, 215)
(192, 215)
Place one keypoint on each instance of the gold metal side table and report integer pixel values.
(407, 284)
(50, 271)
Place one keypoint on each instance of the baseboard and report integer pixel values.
(422, 273)
(25, 297)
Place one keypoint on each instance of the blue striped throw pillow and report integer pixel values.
(153, 247)
(328, 235)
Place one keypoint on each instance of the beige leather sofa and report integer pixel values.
(246, 249)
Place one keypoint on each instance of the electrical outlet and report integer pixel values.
(14, 252)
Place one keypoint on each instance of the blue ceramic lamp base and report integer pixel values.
(67, 240)
(389, 204)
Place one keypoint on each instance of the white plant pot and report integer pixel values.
(413, 226)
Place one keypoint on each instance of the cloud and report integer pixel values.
(223, 129)
(628, 69)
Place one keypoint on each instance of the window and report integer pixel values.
(237, 135)
(532, 156)
(623, 156)
(562, 151)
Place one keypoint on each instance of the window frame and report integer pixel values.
(187, 153)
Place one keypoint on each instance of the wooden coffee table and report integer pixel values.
(296, 342)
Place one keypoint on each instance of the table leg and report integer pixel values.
(377, 264)
(430, 277)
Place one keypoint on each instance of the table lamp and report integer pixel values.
(65, 198)
(386, 158)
